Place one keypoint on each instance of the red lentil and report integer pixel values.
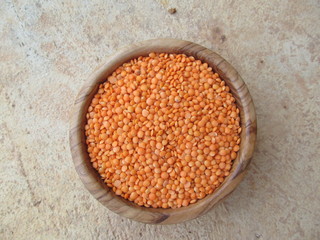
(163, 130)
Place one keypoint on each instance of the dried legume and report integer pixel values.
(163, 131)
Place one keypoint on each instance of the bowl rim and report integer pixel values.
(123, 207)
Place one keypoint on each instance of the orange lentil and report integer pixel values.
(163, 130)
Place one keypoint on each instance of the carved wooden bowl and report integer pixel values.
(90, 176)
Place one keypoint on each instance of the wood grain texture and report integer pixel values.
(90, 176)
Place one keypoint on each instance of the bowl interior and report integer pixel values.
(90, 176)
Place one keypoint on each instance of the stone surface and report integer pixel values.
(49, 48)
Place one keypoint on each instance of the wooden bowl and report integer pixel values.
(90, 176)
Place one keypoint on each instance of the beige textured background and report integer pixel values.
(48, 49)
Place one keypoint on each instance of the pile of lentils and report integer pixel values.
(163, 130)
